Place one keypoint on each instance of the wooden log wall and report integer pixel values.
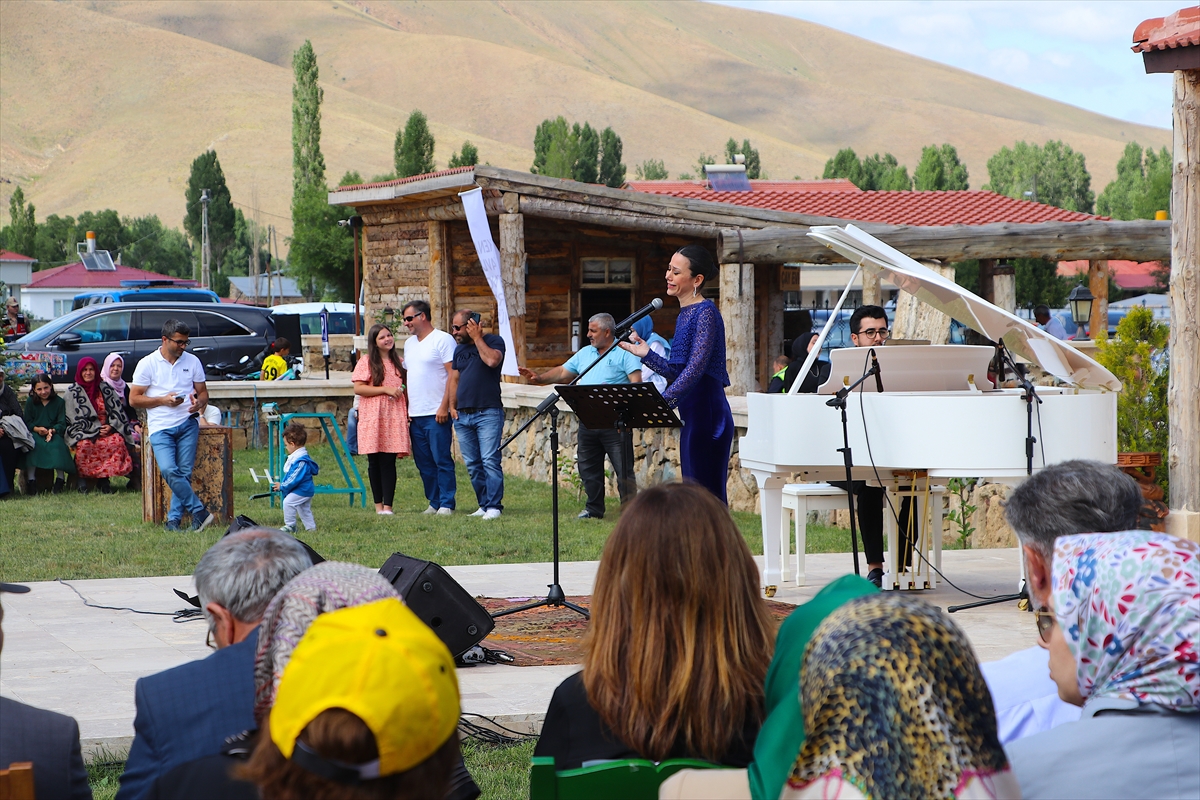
(396, 261)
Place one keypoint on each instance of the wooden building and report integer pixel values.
(570, 250)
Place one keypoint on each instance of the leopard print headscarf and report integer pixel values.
(895, 704)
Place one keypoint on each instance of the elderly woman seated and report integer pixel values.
(97, 428)
(1122, 638)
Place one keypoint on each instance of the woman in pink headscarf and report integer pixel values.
(112, 373)
(96, 428)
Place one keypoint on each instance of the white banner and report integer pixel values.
(489, 259)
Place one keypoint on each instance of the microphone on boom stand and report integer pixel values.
(875, 369)
(626, 325)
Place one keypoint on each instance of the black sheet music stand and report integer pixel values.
(622, 406)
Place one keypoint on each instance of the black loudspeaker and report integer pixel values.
(435, 597)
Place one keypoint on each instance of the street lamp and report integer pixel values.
(1080, 300)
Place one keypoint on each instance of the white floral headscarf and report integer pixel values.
(1129, 607)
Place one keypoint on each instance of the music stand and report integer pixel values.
(622, 406)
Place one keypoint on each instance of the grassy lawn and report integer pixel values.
(98, 536)
(501, 772)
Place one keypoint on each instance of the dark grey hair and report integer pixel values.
(244, 570)
(419, 306)
(1072, 497)
(174, 326)
(605, 321)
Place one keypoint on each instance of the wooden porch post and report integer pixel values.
(441, 277)
(1183, 392)
(512, 271)
(986, 286)
(1098, 286)
(872, 291)
(1004, 287)
(737, 309)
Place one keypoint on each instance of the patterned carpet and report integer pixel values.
(545, 636)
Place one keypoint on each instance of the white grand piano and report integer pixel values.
(938, 414)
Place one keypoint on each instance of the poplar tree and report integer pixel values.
(308, 165)
(414, 147)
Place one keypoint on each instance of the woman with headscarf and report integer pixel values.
(46, 416)
(328, 586)
(112, 373)
(817, 374)
(644, 328)
(894, 707)
(97, 428)
(1122, 635)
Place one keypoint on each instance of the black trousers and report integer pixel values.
(381, 471)
(590, 451)
(8, 461)
(870, 504)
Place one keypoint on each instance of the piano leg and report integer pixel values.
(770, 498)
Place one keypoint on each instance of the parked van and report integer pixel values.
(341, 316)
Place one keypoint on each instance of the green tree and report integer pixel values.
(1054, 174)
(554, 154)
(20, 235)
(467, 157)
(1139, 358)
(321, 254)
(753, 164)
(651, 170)
(397, 151)
(416, 147)
(207, 174)
(586, 168)
(55, 242)
(874, 173)
(308, 165)
(1142, 186)
(702, 161)
(612, 169)
(940, 170)
(150, 245)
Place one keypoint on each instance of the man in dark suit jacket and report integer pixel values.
(49, 740)
(189, 711)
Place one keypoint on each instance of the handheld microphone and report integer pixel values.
(626, 324)
(875, 368)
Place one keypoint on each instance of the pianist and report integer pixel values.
(869, 328)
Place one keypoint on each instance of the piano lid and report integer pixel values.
(1019, 336)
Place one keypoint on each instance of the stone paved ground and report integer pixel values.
(61, 655)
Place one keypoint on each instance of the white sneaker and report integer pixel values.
(492, 513)
(444, 512)
(479, 512)
(430, 510)
(384, 513)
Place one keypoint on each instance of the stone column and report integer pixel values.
(737, 310)
(512, 271)
(872, 291)
(917, 320)
(1183, 392)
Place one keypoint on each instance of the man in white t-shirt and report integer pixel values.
(427, 357)
(170, 384)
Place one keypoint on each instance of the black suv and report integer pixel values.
(220, 333)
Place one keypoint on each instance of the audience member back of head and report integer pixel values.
(1122, 642)
(678, 645)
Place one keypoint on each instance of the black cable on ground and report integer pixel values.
(490, 735)
(183, 615)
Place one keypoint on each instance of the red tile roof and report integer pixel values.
(895, 208)
(672, 187)
(9, 255)
(76, 276)
(1181, 29)
(399, 181)
(1129, 275)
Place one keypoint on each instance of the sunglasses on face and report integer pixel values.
(1045, 623)
(414, 316)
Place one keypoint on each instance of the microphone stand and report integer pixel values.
(1030, 396)
(556, 596)
(839, 401)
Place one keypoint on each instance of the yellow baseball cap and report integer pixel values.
(380, 662)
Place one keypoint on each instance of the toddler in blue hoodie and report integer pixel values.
(296, 484)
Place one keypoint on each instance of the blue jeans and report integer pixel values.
(175, 452)
(352, 431)
(479, 439)
(431, 454)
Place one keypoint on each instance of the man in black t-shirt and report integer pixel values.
(475, 406)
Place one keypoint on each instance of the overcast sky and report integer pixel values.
(1075, 52)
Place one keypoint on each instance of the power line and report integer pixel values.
(260, 211)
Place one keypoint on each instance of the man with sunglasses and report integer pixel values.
(1063, 499)
(428, 357)
(170, 385)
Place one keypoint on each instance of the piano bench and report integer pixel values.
(799, 499)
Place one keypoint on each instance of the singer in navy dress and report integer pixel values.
(696, 373)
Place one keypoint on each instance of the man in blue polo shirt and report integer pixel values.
(593, 445)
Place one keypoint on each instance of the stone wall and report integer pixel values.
(340, 347)
(395, 260)
(238, 400)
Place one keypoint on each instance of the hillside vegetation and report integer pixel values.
(105, 103)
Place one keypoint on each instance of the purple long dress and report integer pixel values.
(697, 381)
